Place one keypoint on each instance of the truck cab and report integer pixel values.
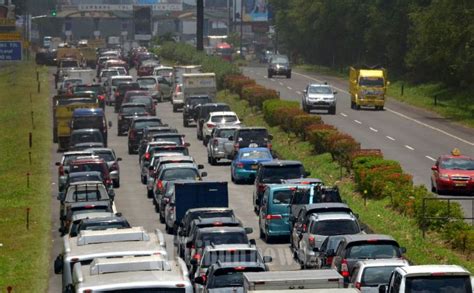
(368, 87)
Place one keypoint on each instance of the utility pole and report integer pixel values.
(200, 25)
(228, 17)
(241, 27)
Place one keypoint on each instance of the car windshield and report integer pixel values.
(108, 73)
(118, 81)
(143, 124)
(373, 276)
(371, 81)
(226, 133)
(230, 255)
(86, 137)
(105, 155)
(255, 134)
(277, 173)
(148, 101)
(282, 197)
(441, 284)
(320, 90)
(230, 277)
(373, 250)
(255, 155)
(180, 173)
(133, 109)
(279, 60)
(88, 122)
(457, 164)
(335, 227)
(223, 238)
(224, 119)
(143, 82)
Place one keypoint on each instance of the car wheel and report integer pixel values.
(175, 109)
(262, 235)
(381, 108)
(143, 179)
(116, 183)
(332, 110)
(149, 193)
(352, 105)
(288, 75)
(357, 107)
(270, 75)
(185, 123)
(268, 238)
(433, 188)
(212, 161)
(130, 151)
(162, 219)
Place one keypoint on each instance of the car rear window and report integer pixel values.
(146, 81)
(255, 154)
(231, 255)
(148, 101)
(226, 133)
(93, 136)
(196, 101)
(105, 155)
(86, 195)
(143, 124)
(109, 73)
(180, 173)
(282, 197)
(88, 168)
(218, 108)
(253, 134)
(178, 139)
(274, 174)
(133, 109)
(224, 119)
(439, 284)
(230, 277)
(373, 276)
(88, 122)
(335, 227)
(222, 238)
(118, 81)
(365, 250)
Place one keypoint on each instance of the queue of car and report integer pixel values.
(102, 251)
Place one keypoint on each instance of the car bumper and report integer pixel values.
(115, 175)
(277, 229)
(218, 154)
(278, 71)
(455, 186)
(177, 102)
(371, 102)
(320, 104)
(244, 174)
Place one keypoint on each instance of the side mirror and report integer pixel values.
(58, 264)
(382, 288)
(315, 249)
(200, 166)
(57, 164)
(119, 159)
(193, 262)
(403, 250)
(335, 92)
(252, 242)
(61, 195)
(305, 91)
(199, 280)
(434, 168)
(110, 124)
(248, 230)
(203, 174)
(267, 259)
(187, 144)
(231, 138)
(307, 174)
(330, 252)
(270, 137)
(150, 168)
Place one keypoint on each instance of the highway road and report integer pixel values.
(414, 137)
(132, 202)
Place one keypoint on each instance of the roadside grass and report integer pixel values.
(375, 214)
(454, 104)
(24, 254)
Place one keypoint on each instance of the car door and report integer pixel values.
(264, 209)
(165, 87)
(435, 174)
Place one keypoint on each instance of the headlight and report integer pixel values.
(444, 176)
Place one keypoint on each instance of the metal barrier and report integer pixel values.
(448, 217)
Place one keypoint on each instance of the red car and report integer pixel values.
(91, 164)
(453, 173)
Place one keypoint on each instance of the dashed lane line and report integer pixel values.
(373, 129)
(299, 93)
(357, 121)
(409, 147)
(391, 138)
(431, 158)
(343, 114)
(289, 88)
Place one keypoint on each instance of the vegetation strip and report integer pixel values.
(24, 247)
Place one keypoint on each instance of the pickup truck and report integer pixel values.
(191, 195)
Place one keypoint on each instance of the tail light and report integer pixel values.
(108, 181)
(197, 256)
(344, 268)
(261, 187)
(273, 217)
(61, 170)
(159, 185)
(236, 147)
(312, 241)
(210, 125)
(147, 156)
(215, 142)
(101, 97)
(116, 93)
(239, 166)
(114, 166)
(304, 228)
(358, 285)
(329, 260)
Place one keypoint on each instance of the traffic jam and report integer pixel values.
(211, 248)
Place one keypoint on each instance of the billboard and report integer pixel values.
(10, 51)
(253, 10)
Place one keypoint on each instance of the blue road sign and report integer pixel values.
(10, 51)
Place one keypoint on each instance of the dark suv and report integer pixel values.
(90, 118)
(353, 248)
(202, 112)
(190, 106)
(135, 132)
(253, 137)
(121, 90)
(126, 114)
(279, 65)
(274, 172)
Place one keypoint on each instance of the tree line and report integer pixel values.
(422, 40)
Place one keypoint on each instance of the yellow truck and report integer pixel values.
(63, 108)
(368, 87)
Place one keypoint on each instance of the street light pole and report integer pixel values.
(241, 27)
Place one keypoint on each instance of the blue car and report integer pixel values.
(245, 164)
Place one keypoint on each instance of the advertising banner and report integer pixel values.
(10, 51)
(253, 10)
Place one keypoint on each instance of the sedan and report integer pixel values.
(245, 164)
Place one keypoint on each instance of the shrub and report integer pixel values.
(301, 122)
(256, 95)
(317, 135)
(235, 83)
(285, 117)
(271, 106)
(342, 146)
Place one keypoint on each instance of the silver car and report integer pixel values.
(319, 97)
(367, 275)
(63, 166)
(218, 140)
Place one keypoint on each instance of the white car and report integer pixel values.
(226, 118)
(112, 85)
(106, 73)
(122, 70)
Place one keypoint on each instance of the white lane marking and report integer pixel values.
(391, 138)
(273, 80)
(432, 159)
(299, 93)
(409, 147)
(357, 121)
(401, 115)
(264, 76)
(343, 114)
(289, 88)
(280, 83)
(373, 129)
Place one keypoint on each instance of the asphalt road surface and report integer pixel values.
(414, 137)
(132, 202)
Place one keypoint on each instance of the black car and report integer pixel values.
(149, 132)
(135, 132)
(126, 114)
(121, 90)
(274, 172)
(101, 223)
(279, 65)
(85, 136)
(253, 137)
(202, 112)
(189, 108)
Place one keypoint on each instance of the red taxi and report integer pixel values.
(453, 173)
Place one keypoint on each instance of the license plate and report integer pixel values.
(460, 184)
(254, 167)
(253, 145)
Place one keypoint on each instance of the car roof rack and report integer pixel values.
(112, 235)
(129, 264)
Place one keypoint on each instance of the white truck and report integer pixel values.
(293, 280)
(429, 278)
(86, 75)
(195, 84)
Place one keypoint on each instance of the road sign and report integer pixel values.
(68, 33)
(14, 36)
(10, 51)
(96, 33)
